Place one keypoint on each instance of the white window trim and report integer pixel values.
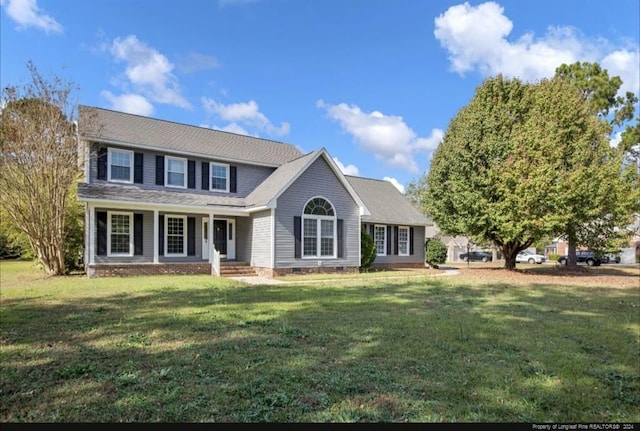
(166, 172)
(319, 219)
(384, 247)
(109, 153)
(228, 169)
(130, 215)
(184, 235)
(408, 251)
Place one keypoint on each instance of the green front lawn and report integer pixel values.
(464, 348)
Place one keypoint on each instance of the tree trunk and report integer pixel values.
(571, 254)
(509, 252)
(571, 250)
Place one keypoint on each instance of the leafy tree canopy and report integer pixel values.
(39, 165)
(519, 162)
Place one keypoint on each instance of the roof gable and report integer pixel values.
(267, 193)
(385, 203)
(137, 131)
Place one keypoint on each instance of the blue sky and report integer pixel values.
(375, 82)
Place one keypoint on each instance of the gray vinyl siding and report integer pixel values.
(147, 240)
(261, 239)
(317, 180)
(418, 255)
(244, 239)
(248, 176)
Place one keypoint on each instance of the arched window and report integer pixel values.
(319, 229)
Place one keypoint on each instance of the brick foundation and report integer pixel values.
(281, 272)
(122, 270)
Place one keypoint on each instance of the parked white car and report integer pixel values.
(527, 256)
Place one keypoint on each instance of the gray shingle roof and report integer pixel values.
(132, 193)
(385, 203)
(134, 130)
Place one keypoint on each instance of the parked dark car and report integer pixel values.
(477, 256)
(589, 257)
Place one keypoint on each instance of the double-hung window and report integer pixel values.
(380, 239)
(120, 234)
(175, 236)
(219, 177)
(403, 241)
(176, 169)
(120, 165)
(319, 229)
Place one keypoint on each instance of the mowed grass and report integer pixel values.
(473, 347)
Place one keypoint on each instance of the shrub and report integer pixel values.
(367, 251)
(435, 252)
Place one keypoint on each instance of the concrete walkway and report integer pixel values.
(258, 280)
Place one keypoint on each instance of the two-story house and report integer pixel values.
(164, 197)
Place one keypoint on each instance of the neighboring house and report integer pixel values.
(164, 197)
(628, 255)
(456, 245)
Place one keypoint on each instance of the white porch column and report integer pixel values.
(214, 257)
(156, 230)
(211, 246)
(92, 234)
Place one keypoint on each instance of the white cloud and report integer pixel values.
(395, 182)
(245, 115)
(131, 103)
(387, 137)
(615, 140)
(624, 63)
(347, 170)
(148, 71)
(476, 39)
(195, 62)
(27, 13)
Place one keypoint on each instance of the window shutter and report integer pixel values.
(159, 170)
(371, 230)
(138, 168)
(205, 175)
(340, 229)
(395, 240)
(297, 233)
(191, 174)
(102, 163)
(161, 235)
(191, 236)
(137, 234)
(101, 219)
(233, 174)
(410, 240)
(388, 240)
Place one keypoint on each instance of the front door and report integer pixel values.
(220, 237)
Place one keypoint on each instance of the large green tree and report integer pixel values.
(601, 91)
(519, 162)
(39, 166)
(616, 110)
